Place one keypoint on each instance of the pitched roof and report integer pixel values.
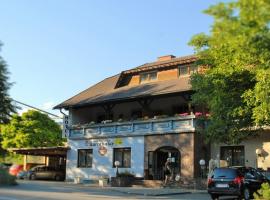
(162, 64)
(96, 90)
(101, 93)
(105, 91)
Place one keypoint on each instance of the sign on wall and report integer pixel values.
(99, 143)
(102, 150)
(118, 141)
(65, 131)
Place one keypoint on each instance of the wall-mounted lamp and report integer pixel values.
(258, 152)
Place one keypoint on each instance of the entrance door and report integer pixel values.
(157, 161)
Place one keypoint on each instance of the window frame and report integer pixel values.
(189, 72)
(78, 158)
(179, 70)
(122, 157)
(234, 151)
(196, 67)
(148, 77)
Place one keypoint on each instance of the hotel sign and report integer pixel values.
(65, 131)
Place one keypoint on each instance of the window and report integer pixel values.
(193, 69)
(183, 71)
(148, 77)
(187, 70)
(85, 158)
(123, 155)
(234, 155)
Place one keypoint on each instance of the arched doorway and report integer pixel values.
(157, 159)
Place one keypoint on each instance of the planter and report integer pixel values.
(103, 182)
(125, 181)
(78, 180)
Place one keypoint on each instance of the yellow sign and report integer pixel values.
(118, 141)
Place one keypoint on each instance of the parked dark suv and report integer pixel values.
(235, 181)
(46, 172)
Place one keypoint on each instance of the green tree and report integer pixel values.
(263, 193)
(32, 129)
(6, 108)
(235, 86)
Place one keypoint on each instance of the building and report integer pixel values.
(139, 118)
(253, 152)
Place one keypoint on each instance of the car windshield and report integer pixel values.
(225, 173)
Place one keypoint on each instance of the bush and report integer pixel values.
(263, 193)
(6, 178)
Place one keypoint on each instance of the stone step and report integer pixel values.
(183, 183)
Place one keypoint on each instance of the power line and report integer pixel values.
(36, 108)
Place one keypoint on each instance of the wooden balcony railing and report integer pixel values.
(135, 128)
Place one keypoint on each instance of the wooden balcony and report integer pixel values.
(135, 128)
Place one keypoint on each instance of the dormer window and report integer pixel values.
(193, 69)
(187, 70)
(183, 71)
(148, 77)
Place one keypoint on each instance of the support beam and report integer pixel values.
(145, 104)
(24, 162)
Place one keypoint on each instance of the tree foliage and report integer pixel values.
(263, 193)
(236, 85)
(6, 108)
(32, 129)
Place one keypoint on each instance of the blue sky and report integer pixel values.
(57, 48)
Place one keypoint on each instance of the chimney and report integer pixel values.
(165, 58)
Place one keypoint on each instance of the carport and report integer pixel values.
(55, 155)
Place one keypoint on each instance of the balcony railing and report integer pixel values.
(135, 128)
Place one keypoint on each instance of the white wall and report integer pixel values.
(102, 165)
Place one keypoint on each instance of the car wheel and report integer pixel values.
(246, 194)
(33, 177)
(57, 178)
(214, 196)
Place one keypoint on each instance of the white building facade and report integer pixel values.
(91, 159)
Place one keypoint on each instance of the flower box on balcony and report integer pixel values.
(183, 114)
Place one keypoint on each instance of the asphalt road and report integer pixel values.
(46, 190)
